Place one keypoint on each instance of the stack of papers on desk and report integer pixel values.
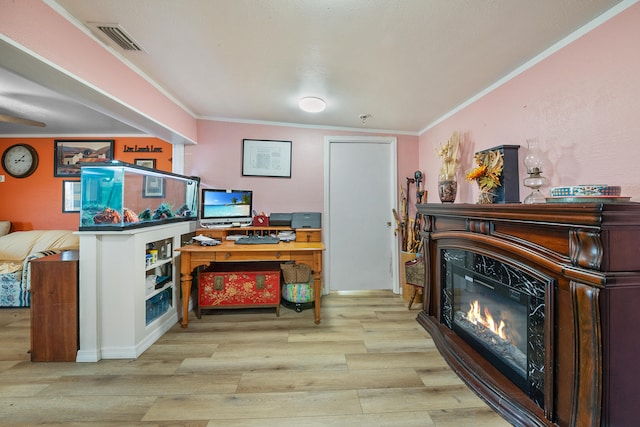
(287, 236)
(206, 241)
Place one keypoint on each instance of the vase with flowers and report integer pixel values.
(487, 174)
(447, 182)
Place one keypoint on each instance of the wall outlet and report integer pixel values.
(1, 178)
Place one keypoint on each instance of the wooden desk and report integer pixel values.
(193, 256)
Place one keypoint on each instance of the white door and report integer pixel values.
(360, 193)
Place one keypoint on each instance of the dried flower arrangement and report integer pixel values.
(449, 155)
(487, 173)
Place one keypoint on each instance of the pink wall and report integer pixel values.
(35, 26)
(217, 161)
(583, 103)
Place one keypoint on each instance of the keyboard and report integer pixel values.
(257, 240)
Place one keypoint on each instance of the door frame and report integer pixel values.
(393, 187)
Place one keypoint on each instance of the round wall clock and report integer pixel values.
(20, 160)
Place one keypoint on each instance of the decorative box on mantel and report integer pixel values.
(509, 189)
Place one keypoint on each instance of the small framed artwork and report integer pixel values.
(68, 155)
(153, 186)
(266, 158)
(147, 163)
(70, 196)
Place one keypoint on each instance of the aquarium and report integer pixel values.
(117, 195)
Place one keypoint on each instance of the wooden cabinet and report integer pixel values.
(54, 308)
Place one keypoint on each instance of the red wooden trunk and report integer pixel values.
(240, 285)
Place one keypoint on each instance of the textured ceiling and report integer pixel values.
(405, 62)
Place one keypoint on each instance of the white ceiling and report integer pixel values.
(405, 62)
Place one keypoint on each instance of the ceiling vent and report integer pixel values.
(117, 35)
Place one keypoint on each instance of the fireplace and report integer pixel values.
(500, 312)
(531, 305)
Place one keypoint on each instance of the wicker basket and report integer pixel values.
(295, 273)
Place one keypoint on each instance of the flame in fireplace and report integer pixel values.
(474, 316)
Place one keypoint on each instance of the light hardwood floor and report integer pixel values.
(369, 363)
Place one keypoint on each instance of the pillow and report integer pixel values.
(5, 227)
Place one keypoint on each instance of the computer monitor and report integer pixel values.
(226, 207)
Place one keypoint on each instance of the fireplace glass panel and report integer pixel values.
(498, 310)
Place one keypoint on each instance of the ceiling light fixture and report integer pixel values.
(312, 104)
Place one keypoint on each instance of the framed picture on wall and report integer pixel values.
(153, 186)
(70, 196)
(147, 163)
(266, 158)
(68, 155)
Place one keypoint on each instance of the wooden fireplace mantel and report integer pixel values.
(591, 254)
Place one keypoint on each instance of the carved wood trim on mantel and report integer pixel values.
(587, 402)
(585, 248)
(479, 226)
